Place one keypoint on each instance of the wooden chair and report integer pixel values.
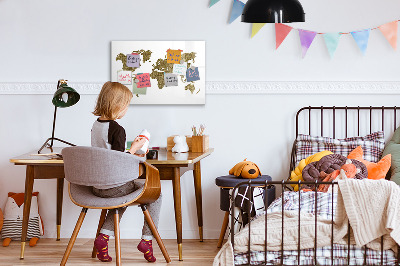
(85, 167)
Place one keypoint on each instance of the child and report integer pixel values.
(112, 103)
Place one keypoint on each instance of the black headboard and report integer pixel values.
(344, 121)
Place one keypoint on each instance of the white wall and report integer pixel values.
(42, 41)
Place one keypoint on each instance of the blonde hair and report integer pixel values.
(112, 99)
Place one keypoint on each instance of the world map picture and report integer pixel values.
(160, 72)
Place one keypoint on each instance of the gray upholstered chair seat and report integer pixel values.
(83, 195)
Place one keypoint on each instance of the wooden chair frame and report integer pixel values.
(150, 193)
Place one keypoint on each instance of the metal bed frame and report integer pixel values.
(283, 184)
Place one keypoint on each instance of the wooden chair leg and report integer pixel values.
(101, 222)
(154, 230)
(73, 237)
(117, 238)
(223, 229)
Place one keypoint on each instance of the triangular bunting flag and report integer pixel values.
(281, 31)
(237, 9)
(332, 41)
(256, 28)
(213, 2)
(389, 30)
(361, 38)
(306, 39)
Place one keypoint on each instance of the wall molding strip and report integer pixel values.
(231, 87)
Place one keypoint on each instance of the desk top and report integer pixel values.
(164, 157)
(168, 157)
(34, 158)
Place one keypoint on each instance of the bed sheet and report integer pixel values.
(340, 252)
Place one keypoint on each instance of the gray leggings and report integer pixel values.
(154, 208)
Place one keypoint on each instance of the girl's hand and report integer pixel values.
(137, 144)
(143, 155)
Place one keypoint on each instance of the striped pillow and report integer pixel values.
(372, 145)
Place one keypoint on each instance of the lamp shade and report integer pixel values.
(273, 11)
(65, 96)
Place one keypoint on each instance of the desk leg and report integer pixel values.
(176, 182)
(27, 206)
(199, 204)
(60, 190)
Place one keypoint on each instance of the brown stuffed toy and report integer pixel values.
(245, 169)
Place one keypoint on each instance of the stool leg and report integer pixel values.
(117, 239)
(101, 222)
(223, 229)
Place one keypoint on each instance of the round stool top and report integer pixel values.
(230, 181)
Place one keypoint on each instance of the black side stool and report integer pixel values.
(226, 183)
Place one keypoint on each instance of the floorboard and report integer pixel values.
(50, 252)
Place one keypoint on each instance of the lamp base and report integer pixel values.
(50, 146)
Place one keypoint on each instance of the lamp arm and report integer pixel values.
(54, 118)
(46, 143)
(54, 126)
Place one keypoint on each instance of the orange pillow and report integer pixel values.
(375, 170)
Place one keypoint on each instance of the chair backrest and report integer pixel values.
(91, 166)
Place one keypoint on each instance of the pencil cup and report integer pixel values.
(200, 143)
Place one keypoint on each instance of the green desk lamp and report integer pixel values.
(65, 96)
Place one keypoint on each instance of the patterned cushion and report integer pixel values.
(372, 144)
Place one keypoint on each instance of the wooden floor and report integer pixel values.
(50, 252)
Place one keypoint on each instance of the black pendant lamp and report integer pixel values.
(273, 11)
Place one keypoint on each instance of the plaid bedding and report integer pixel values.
(324, 257)
(372, 145)
(323, 207)
(306, 202)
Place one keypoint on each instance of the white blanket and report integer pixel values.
(373, 209)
